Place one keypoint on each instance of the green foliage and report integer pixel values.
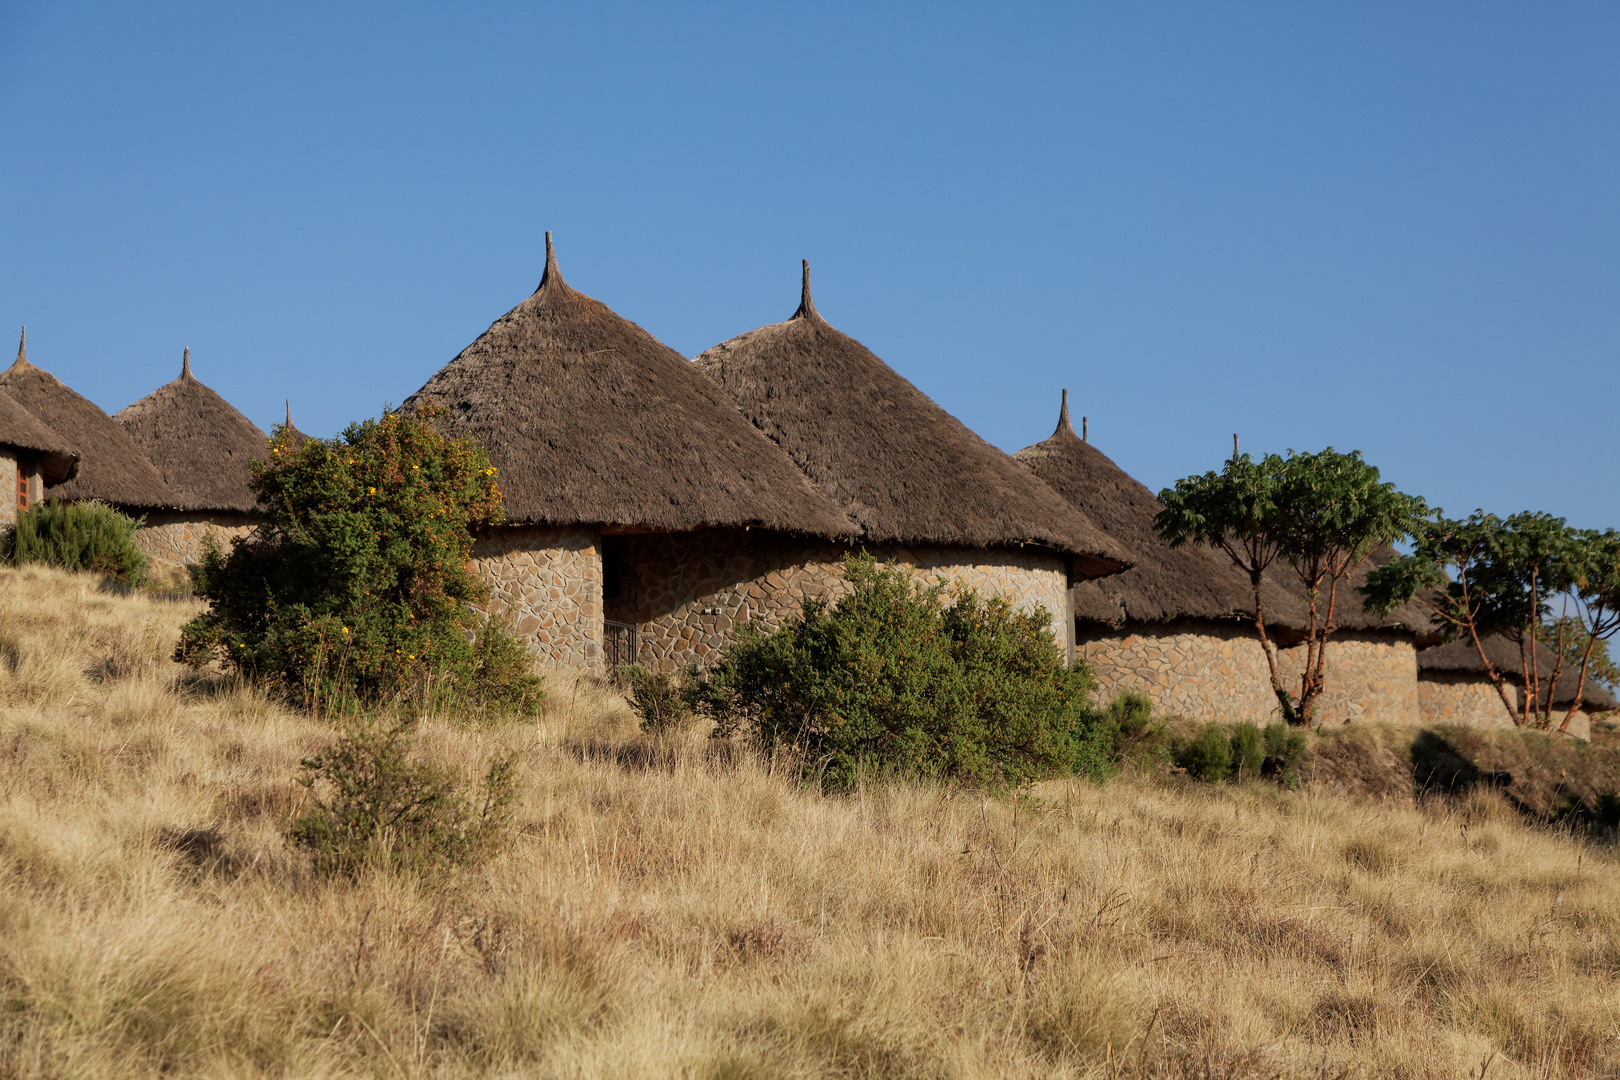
(1487, 576)
(376, 805)
(1131, 711)
(1248, 752)
(1208, 756)
(1322, 513)
(356, 586)
(78, 536)
(893, 680)
(1284, 752)
(1570, 637)
(658, 699)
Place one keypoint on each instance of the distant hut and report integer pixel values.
(288, 431)
(923, 488)
(111, 467)
(31, 456)
(203, 447)
(605, 437)
(1453, 687)
(1179, 625)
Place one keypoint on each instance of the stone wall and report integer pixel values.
(1217, 671)
(8, 487)
(689, 593)
(1368, 676)
(1205, 670)
(548, 582)
(179, 537)
(1465, 698)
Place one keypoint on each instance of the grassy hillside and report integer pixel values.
(682, 909)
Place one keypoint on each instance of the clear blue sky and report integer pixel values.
(1392, 227)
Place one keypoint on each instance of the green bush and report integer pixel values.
(356, 587)
(1248, 751)
(893, 680)
(657, 698)
(1209, 756)
(1285, 752)
(1132, 712)
(78, 536)
(374, 805)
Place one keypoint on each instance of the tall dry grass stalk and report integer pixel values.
(679, 909)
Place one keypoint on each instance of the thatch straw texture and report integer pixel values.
(1168, 584)
(885, 453)
(590, 419)
(288, 431)
(200, 443)
(111, 467)
(1165, 584)
(1460, 656)
(20, 428)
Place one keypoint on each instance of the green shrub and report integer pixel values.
(657, 698)
(374, 805)
(1285, 752)
(356, 588)
(892, 680)
(1248, 751)
(78, 536)
(1132, 712)
(1209, 756)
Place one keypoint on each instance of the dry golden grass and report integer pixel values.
(679, 909)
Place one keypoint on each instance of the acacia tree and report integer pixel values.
(1488, 576)
(1324, 514)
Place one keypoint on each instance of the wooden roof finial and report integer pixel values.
(185, 363)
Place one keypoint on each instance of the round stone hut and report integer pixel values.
(1454, 689)
(31, 456)
(1179, 624)
(922, 488)
(111, 467)
(203, 447)
(609, 442)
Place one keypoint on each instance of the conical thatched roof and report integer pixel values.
(590, 419)
(20, 428)
(288, 431)
(885, 453)
(1460, 656)
(198, 440)
(111, 467)
(1167, 584)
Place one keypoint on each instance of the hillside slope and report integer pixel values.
(686, 910)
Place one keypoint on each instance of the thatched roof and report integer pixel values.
(20, 428)
(200, 443)
(111, 467)
(590, 419)
(1168, 584)
(1461, 657)
(288, 431)
(1165, 584)
(885, 453)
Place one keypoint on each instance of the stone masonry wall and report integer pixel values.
(1209, 671)
(1371, 677)
(548, 581)
(180, 537)
(1468, 700)
(689, 593)
(8, 487)
(1217, 671)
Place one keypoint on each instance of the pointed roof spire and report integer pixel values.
(289, 411)
(185, 364)
(22, 351)
(1064, 423)
(807, 307)
(551, 273)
